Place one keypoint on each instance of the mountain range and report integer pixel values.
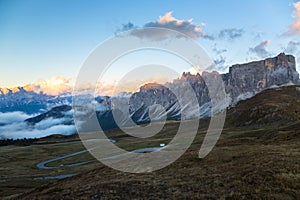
(256, 157)
(241, 82)
(30, 102)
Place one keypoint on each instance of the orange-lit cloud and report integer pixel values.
(105, 89)
(295, 26)
(167, 18)
(52, 86)
(184, 26)
(187, 27)
(58, 85)
(260, 49)
(131, 85)
(195, 70)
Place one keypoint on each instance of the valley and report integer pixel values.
(249, 161)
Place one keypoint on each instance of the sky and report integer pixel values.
(46, 42)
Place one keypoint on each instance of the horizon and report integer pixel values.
(62, 45)
(61, 85)
(110, 99)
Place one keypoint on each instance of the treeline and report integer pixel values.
(18, 142)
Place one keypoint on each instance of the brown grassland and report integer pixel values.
(256, 157)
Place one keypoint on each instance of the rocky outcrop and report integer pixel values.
(243, 81)
(166, 97)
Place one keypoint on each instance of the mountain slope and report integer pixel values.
(248, 162)
(275, 106)
(243, 81)
(55, 113)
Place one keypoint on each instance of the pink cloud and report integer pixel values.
(295, 26)
(52, 86)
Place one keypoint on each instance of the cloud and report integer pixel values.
(294, 28)
(167, 21)
(184, 26)
(231, 33)
(52, 86)
(218, 51)
(20, 131)
(126, 27)
(133, 84)
(195, 70)
(58, 85)
(220, 63)
(292, 47)
(50, 122)
(17, 128)
(105, 89)
(258, 35)
(8, 118)
(260, 49)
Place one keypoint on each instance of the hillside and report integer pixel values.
(276, 106)
(257, 157)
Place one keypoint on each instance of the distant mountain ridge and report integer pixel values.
(19, 99)
(243, 81)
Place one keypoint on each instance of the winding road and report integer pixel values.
(42, 165)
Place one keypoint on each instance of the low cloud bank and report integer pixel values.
(13, 126)
(12, 117)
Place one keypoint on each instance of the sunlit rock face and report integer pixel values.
(243, 81)
(168, 96)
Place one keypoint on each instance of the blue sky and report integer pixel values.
(41, 39)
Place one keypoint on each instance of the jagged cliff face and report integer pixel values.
(243, 81)
(250, 78)
(141, 101)
(166, 96)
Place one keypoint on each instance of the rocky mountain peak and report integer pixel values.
(283, 59)
(151, 86)
(4, 91)
(243, 81)
(280, 60)
(251, 78)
